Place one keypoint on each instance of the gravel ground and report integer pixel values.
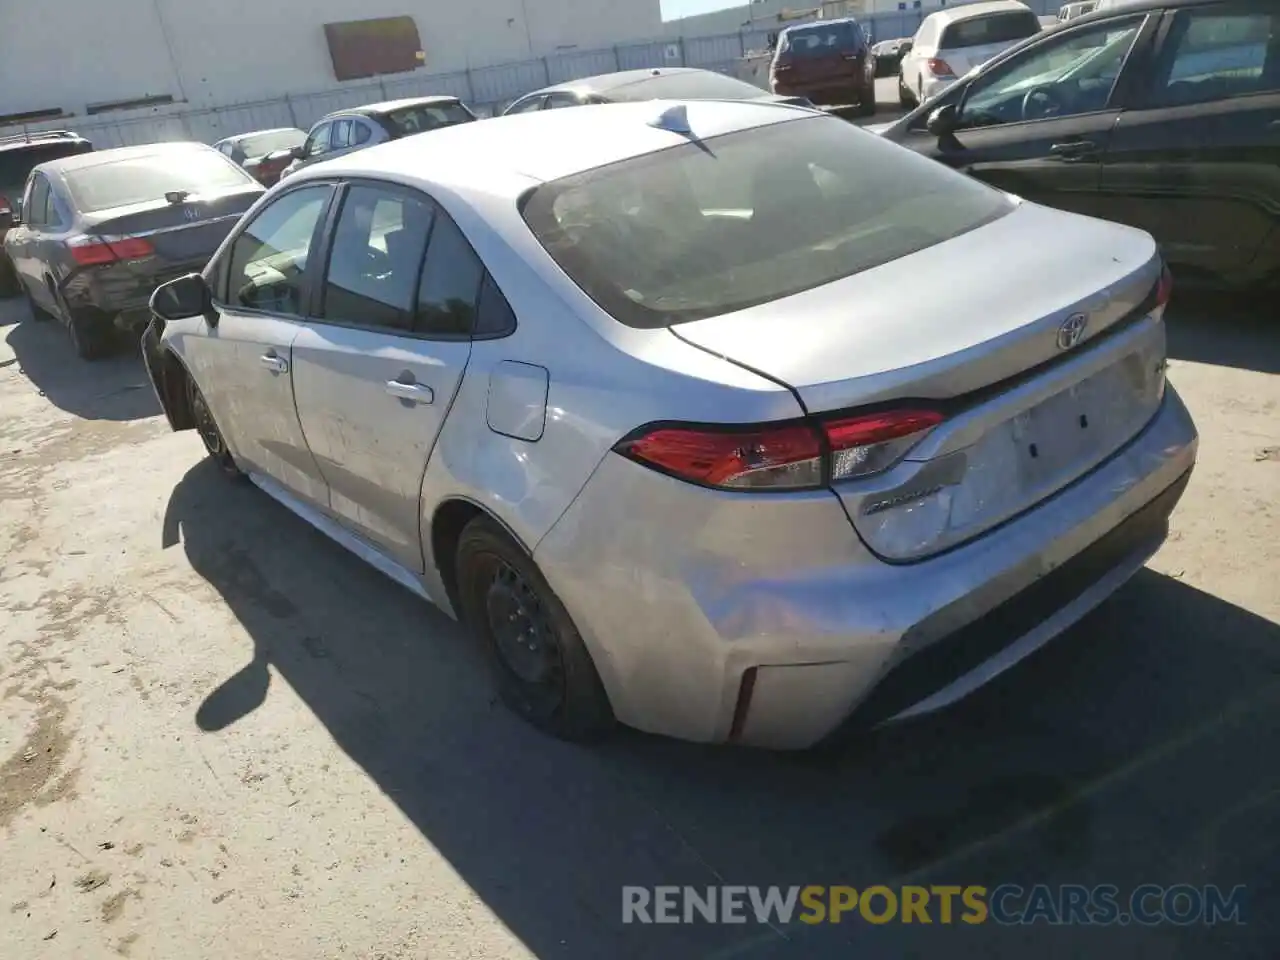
(223, 737)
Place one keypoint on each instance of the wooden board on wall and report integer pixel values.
(367, 48)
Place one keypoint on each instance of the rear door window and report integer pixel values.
(1212, 54)
(341, 138)
(993, 28)
(375, 259)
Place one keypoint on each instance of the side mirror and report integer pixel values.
(299, 152)
(187, 296)
(944, 121)
(15, 211)
(905, 48)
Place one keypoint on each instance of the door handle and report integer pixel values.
(274, 363)
(413, 392)
(1074, 149)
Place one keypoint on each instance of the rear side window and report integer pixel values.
(450, 286)
(140, 179)
(424, 117)
(993, 28)
(820, 40)
(17, 163)
(734, 221)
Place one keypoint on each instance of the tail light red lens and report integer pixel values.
(6, 207)
(95, 251)
(939, 68)
(1164, 289)
(788, 456)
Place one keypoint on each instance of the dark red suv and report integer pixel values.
(828, 61)
(18, 154)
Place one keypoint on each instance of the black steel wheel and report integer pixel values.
(540, 665)
(214, 443)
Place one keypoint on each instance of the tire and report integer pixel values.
(905, 97)
(215, 444)
(9, 283)
(867, 108)
(539, 663)
(90, 329)
(38, 313)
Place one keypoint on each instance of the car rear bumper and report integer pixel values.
(852, 89)
(764, 620)
(932, 86)
(124, 292)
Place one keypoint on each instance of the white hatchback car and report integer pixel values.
(633, 391)
(953, 41)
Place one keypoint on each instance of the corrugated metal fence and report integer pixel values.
(487, 89)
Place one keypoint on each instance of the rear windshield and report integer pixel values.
(993, 28)
(261, 144)
(723, 224)
(819, 39)
(16, 162)
(688, 86)
(120, 183)
(419, 119)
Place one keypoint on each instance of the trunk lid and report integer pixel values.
(179, 232)
(977, 328)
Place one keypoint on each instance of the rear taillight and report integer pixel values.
(5, 206)
(861, 446)
(786, 456)
(939, 68)
(95, 251)
(1164, 288)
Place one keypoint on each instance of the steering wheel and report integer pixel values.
(1041, 102)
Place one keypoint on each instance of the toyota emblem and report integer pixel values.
(1072, 331)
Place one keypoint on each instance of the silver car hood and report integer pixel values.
(972, 311)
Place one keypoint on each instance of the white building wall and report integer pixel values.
(70, 53)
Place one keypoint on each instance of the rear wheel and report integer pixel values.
(9, 283)
(905, 97)
(539, 663)
(214, 443)
(90, 329)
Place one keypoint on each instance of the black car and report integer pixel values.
(99, 232)
(18, 154)
(1161, 115)
(676, 83)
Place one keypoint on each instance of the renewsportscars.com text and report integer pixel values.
(1007, 904)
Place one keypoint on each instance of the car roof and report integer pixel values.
(83, 161)
(507, 155)
(41, 138)
(388, 106)
(970, 10)
(818, 24)
(240, 137)
(604, 82)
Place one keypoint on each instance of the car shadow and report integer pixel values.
(1224, 329)
(1138, 748)
(113, 388)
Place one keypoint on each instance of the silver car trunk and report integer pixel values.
(984, 328)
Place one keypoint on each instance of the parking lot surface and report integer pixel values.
(223, 736)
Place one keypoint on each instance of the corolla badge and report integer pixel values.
(1072, 330)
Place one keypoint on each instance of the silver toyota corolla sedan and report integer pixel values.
(729, 421)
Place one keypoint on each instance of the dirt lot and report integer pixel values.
(223, 737)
